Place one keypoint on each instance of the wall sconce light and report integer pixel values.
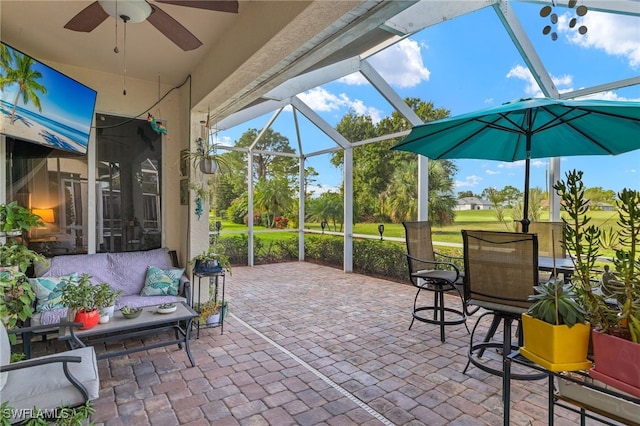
(381, 230)
(323, 225)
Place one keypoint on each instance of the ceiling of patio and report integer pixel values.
(247, 55)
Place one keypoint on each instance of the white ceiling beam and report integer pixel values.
(250, 113)
(304, 82)
(521, 41)
(319, 122)
(620, 7)
(427, 13)
(388, 93)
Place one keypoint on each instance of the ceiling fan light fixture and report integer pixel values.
(136, 10)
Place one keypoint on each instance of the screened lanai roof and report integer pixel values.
(514, 28)
(352, 50)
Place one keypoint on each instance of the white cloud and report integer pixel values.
(492, 172)
(319, 99)
(531, 88)
(513, 165)
(400, 65)
(468, 182)
(521, 163)
(321, 189)
(616, 35)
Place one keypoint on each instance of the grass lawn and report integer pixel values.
(468, 219)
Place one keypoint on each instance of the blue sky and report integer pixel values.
(470, 63)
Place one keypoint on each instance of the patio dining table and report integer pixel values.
(563, 265)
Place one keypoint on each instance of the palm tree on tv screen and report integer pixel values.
(19, 70)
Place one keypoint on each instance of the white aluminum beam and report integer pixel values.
(250, 113)
(388, 93)
(319, 122)
(429, 12)
(601, 88)
(519, 37)
(348, 210)
(304, 82)
(619, 7)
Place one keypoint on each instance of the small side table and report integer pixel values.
(216, 281)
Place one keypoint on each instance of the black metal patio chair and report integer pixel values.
(427, 273)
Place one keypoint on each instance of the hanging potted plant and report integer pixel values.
(616, 332)
(556, 333)
(79, 298)
(205, 157)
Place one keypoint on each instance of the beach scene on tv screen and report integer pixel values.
(42, 105)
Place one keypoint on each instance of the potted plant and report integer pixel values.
(105, 299)
(212, 312)
(556, 333)
(79, 297)
(205, 157)
(15, 219)
(616, 328)
(16, 300)
(211, 261)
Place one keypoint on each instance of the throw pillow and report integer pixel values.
(48, 291)
(161, 282)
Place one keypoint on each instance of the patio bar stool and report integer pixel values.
(501, 269)
(431, 275)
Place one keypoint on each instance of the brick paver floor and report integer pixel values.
(306, 344)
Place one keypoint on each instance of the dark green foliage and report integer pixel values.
(370, 257)
(325, 249)
(380, 258)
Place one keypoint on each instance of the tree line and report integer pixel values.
(385, 182)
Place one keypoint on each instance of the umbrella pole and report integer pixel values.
(527, 166)
(525, 220)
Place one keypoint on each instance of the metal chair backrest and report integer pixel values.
(550, 238)
(500, 267)
(419, 245)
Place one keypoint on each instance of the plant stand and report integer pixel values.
(218, 278)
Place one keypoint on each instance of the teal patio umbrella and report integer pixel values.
(530, 128)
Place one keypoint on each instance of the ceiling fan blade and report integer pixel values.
(88, 18)
(173, 30)
(230, 6)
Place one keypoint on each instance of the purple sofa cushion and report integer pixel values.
(129, 269)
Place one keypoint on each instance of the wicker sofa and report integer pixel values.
(126, 271)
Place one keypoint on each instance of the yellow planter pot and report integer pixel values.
(556, 347)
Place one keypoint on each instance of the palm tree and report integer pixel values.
(273, 197)
(403, 192)
(25, 77)
(329, 208)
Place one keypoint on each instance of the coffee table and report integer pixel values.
(119, 328)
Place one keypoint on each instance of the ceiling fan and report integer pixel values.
(134, 11)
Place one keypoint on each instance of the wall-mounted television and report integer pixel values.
(39, 104)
